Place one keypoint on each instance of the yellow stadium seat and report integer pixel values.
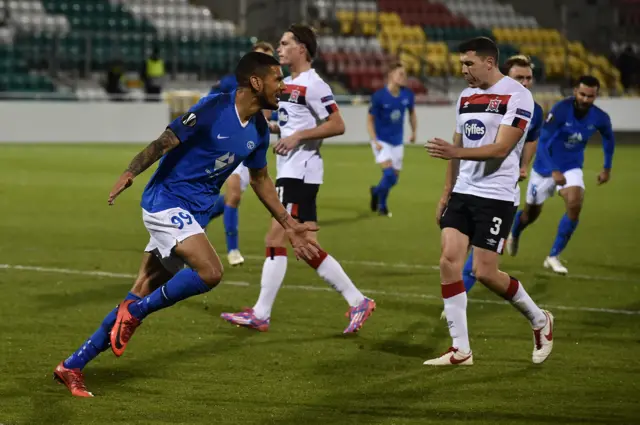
(390, 18)
(531, 49)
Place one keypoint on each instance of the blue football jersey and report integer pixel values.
(213, 142)
(388, 114)
(564, 137)
(227, 84)
(533, 133)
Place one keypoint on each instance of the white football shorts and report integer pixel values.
(542, 188)
(243, 172)
(389, 152)
(167, 228)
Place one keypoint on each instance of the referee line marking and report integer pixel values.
(97, 273)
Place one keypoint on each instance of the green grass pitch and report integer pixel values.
(186, 366)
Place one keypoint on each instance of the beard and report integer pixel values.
(265, 103)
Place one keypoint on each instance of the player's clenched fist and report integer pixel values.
(125, 180)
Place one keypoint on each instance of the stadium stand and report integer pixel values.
(49, 45)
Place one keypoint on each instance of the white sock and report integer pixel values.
(455, 308)
(331, 271)
(273, 272)
(525, 305)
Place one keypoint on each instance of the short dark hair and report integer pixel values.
(517, 60)
(304, 34)
(393, 66)
(263, 45)
(253, 63)
(483, 46)
(589, 81)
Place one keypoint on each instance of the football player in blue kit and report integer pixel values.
(558, 165)
(385, 123)
(238, 181)
(197, 153)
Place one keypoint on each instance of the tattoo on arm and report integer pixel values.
(153, 152)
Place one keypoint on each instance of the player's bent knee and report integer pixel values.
(211, 275)
(232, 198)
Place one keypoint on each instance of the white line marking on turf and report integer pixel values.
(436, 268)
(98, 273)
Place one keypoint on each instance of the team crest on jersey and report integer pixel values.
(493, 106)
(189, 119)
(294, 96)
(251, 145)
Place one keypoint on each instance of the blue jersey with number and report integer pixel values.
(227, 84)
(213, 142)
(388, 114)
(565, 134)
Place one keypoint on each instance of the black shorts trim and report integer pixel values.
(485, 221)
(299, 198)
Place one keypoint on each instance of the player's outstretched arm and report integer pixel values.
(147, 157)
(303, 245)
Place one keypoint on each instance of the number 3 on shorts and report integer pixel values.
(495, 230)
(179, 220)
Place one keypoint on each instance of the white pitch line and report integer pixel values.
(436, 268)
(318, 288)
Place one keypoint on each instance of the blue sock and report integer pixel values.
(467, 273)
(565, 230)
(186, 283)
(518, 226)
(218, 207)
(97, 343)
(388, 180)
(231, 227)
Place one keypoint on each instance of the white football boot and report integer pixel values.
(453, 357)
(555, 265)
(543, 340)
(235, 258)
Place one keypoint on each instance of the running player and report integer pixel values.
(385, 123)
(558, 165)
(520, 68)
(476, 208)
(197, 153)
(307, 98)
(238, 181)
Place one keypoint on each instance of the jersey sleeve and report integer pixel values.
(320, 100)
(608, 144)
(533, 133)
(258, 158)
(519, 110)
(199, 117)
